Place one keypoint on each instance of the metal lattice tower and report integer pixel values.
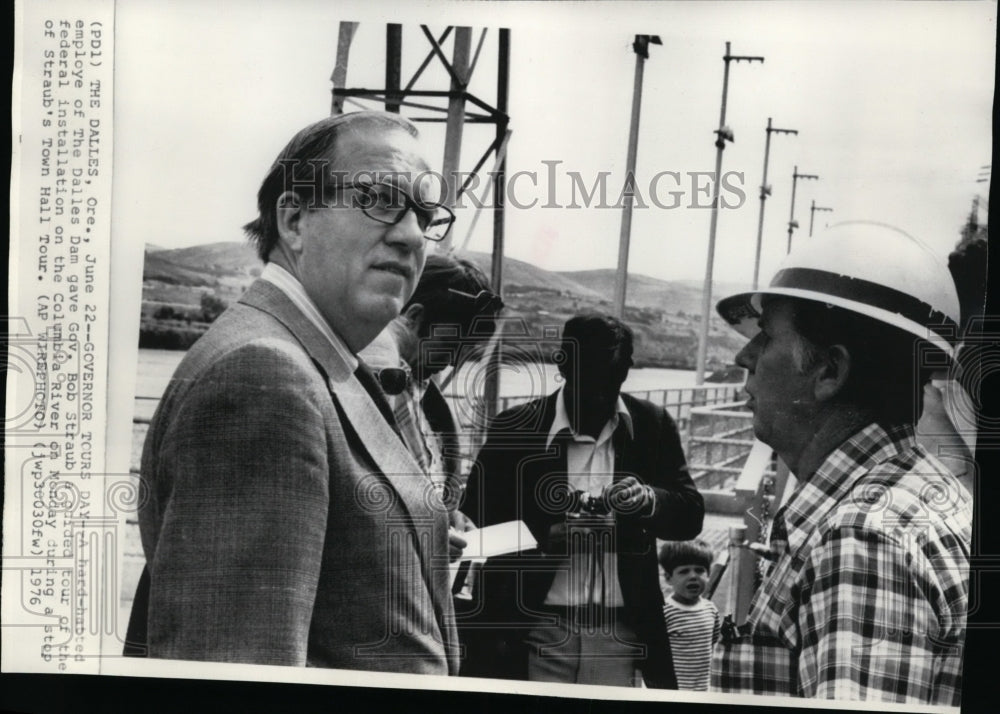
(456, 107)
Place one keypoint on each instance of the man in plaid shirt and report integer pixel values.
(868, 594)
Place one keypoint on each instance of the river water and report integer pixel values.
(516, 380)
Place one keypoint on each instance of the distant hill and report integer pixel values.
(719, 289)
(218, 259)
(642, 290)
(672, 296)
(235, 260)
(664, 314)
(159, 268)
(518, 274)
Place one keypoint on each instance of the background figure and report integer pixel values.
(868, 596)
(596, 476)
(449, 319)
(947, 426)
(692, 620)
(283, 505)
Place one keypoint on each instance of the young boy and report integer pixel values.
(692, 621)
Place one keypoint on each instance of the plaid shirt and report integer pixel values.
(868, 598)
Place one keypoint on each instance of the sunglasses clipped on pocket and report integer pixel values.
(393, 380)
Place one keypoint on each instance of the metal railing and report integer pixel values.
(677, 402)
(470, 413)
(759, 489)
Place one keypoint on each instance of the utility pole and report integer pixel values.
(765, 191)
(722, 135)
(491, 390)
(455, 122)
(641, 49)
(792, 223)
(393, 65)
(812, 214)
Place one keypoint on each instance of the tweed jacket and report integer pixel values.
(286, 522)
(515, 471)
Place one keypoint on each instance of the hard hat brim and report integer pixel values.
(742, 312)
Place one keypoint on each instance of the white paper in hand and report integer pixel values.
(499, 539)
(491, 541)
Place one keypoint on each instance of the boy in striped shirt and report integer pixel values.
(692, 621)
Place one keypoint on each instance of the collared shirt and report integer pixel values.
(592, 575)
(293, 290)
(423, 443)
(869, 596)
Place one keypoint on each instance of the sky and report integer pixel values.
(892, 102)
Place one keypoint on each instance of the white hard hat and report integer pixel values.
(868, 268)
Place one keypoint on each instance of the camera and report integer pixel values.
(584, 503)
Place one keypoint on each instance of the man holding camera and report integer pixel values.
(596, 476)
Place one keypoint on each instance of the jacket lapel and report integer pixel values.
(620, 440)
(376, 435)
(421, 500)
(382, 444)
(268, 298)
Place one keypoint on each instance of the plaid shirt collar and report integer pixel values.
(836, 476)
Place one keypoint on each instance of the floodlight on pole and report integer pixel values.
(641, 49)
(765, 191)
(792, 223)
(722, 135)
(812, 214)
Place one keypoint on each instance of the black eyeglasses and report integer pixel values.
(393, 380)
(388, 203)
(484, 302)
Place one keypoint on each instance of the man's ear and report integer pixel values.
(832, 373)
(414, 314)
(290, 211)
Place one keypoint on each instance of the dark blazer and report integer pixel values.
(286, 522)
(514, 472)
(442, 421)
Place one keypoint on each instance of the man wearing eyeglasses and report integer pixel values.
(287, 522)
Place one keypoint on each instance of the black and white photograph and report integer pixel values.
(623, 352)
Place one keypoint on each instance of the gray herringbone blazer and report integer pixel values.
(286, 521)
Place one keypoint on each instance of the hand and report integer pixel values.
(460, 522)
(456, 545)
(558, 540)
(631, 497)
